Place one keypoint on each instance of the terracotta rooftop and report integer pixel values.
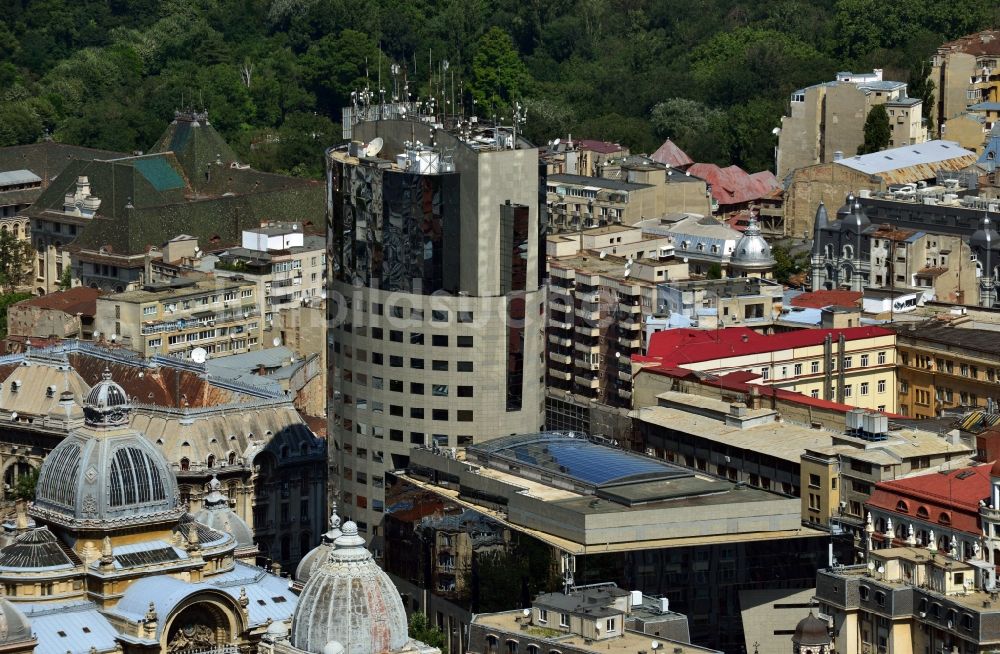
(81, 299)
(733, 185)
(671, 155)
(986, 42)
(824, 298)
(603, 147)
(955, 493)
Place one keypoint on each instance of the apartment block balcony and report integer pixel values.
(564, 359)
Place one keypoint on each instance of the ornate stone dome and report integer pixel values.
(751, 250)
(319, 555)
(105, 474)
(107, 404)
(217, 515)
(811, 631)
(351, 601)
(14, 627)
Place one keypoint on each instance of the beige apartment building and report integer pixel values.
(288, 266)
(220, 316)
(826, 121)
(639, 190)
(965, 73)
(944, 367)
(598, 307)
(911, 599)
(854, 366)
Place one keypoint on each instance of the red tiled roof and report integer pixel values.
(603, 147)
(741, 381)
(956, 493)
(81, 299)
(671, 155)
(986, 42)
(732, 185)
(663, 343)
(824, 298)
(740, 341)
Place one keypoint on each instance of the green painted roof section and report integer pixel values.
(159, 173)
(200, 149)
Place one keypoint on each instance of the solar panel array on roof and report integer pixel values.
(579, 458)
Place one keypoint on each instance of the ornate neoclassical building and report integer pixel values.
(113, 561)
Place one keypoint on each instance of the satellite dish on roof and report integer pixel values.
(603, 254)
(374, 147)
(276, 341)
(199, 355)
(526, 613)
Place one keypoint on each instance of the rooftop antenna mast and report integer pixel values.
(520, 115)
(568, 565)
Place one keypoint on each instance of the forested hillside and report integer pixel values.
(714, 75)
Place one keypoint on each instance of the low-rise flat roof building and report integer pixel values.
(911, 599)
(64, 314)
(641, 522)
(598, 618)
(222, 316)
(288, 266)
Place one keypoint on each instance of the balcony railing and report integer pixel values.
(198, 323)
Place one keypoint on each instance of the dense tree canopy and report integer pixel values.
(714, 75)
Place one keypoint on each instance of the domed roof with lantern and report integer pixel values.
(351, 602)
(104, 473)
(811, 630)
(319, 555)
(751, 250)
(218, 515)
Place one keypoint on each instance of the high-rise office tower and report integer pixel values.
(436, 310)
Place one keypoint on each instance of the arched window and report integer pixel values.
(185, 464)
(492, 645)
(511, 646)
(828, 251)
(922, 512)
(848, 252)
(232, 458)
(532, 649)
(210, 462)
(901, 507)
(944, 518)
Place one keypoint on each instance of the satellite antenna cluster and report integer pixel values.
(374, 147)
(199, 355)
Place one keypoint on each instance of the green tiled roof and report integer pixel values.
(147, 200)
(47, 159)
